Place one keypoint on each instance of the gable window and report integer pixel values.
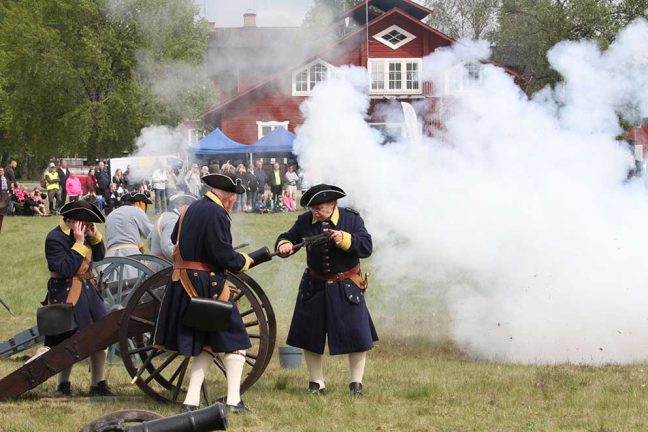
(304, 80)
(394, 37)
(463, 77)
(265, 127)
(395, 76)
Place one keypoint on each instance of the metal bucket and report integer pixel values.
(290, 357)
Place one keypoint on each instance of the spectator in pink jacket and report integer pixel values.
(73, 187)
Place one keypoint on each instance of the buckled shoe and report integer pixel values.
(65, 389)
(101, 389)
(314, 389)
(355, 389)
(239, 408)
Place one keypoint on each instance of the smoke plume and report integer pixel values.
(515, 219)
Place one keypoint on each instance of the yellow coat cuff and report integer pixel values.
(81, 249)
(283, 242)
(248, 263)
(94, 241)
(346, 241)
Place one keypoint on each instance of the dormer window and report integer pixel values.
(305, 79)
(394, 37)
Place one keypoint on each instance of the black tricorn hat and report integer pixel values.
(321, 193)
(134, 197)
(227, 182)
(182, 199)
(82, 210)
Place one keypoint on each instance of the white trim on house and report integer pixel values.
(460, 79)
(394, 37)
(307, 76)
(271, 124)
(395, 76)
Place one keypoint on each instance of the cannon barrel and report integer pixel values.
(211, 418)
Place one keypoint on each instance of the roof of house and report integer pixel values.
(254, 37)
(359, 12)
(358, 31)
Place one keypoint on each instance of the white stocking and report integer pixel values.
(315, 368)
(97, 367)
(64, 375)
(356, 365)
(199, 366)
(234, 363)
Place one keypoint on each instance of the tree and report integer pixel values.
(527, 29)
(471, 19)
(71, 81)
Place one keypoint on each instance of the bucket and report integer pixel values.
(290, 357)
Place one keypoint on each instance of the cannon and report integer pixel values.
(130, 324)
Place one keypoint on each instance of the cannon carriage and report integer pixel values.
(133, 305)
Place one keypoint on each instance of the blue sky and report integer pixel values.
(270, 13)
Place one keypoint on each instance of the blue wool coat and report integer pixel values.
(333, 309)
(205, 237)
(64, 256)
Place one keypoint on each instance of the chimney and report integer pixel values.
(249, 18)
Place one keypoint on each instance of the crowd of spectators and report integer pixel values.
(274, 190)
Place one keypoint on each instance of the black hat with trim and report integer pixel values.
(227, 182)
(182, 199)
(134, 197)
(82, 210)
(321, 193)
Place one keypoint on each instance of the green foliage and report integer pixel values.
(527, 29)
(463, 18)
(70, 81)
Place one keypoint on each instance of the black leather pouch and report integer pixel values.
(55, 319)
(207, 314)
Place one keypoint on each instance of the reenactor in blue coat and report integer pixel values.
(70, 249)
(331, 299)
(202, 255)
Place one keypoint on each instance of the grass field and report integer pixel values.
(414, 381)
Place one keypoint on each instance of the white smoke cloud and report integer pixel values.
(517, 215)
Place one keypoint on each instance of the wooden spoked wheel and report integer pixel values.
(165, 375)
(118, 278)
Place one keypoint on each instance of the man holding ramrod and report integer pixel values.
(202, 255)
(331, 293)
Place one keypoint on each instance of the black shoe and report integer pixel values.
(314, 389)
(355, 388)
(239, 408)
(65, 389)
(101, 389)
(190, 407)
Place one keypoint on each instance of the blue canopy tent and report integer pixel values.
(278, 141)
(217, 143)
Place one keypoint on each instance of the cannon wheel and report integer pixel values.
(120, 418)
(116, 293)
(165, 375)
(156, 263)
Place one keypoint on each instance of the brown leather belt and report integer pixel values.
(193, 265)
(337, 276)
(80, 276)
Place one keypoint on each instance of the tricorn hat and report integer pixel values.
(321, 193)
(182, 199)
(227, 182)
(82, 210)
(134, 197)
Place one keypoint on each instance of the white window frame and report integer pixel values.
(385, 74)
(409, 37)
(391, 125)
(306, 68)
(457, 79)
(271, 124)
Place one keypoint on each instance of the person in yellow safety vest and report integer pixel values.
(53, 186)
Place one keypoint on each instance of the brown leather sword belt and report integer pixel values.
(353, 273)
(192, 265)
(80, 276)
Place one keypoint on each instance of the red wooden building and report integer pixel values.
(389, 38)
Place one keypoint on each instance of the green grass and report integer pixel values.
(414, 381)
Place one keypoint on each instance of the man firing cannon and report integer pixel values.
(331, 293)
